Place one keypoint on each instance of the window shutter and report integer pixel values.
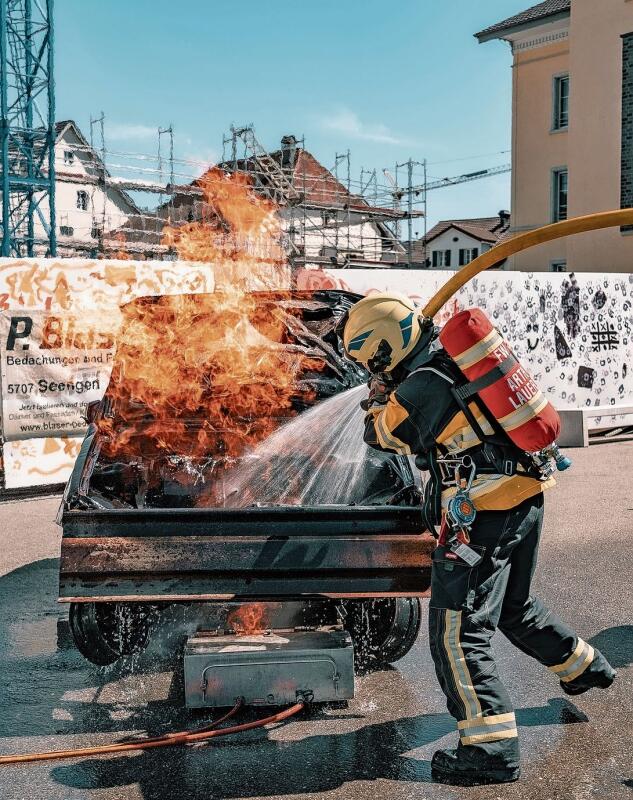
(435, 255)
(462, 257)
(447, 258)
(475, 253)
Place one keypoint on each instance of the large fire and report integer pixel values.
(208, 376)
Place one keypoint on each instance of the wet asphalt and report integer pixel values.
(380, 745)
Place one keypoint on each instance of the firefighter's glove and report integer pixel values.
(379, 392)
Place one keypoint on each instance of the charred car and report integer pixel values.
(225, 467)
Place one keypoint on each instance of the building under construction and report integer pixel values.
(324, 220)
(115, 204)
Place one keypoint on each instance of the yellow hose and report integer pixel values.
(591, 222)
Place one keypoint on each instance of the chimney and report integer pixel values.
(504, 219)
(288, 151)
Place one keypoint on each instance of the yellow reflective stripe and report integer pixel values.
(582, 667)
(524, 413)
(577, 662)
(481, 485)
(479, 350)
(386, 421)
(500, 730)
(580, 646)
(459, 668)
(465, 437)
(459, 422)
(451, 658)
(491, 719)
(489, 737)
(387, 439)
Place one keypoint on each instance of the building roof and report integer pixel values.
(549, 11)
(485, 229)
(316, 184)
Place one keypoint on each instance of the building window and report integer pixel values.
(441, 258)
(69, 158)
(626, 171)
(559, 194)
(561, 102)
(82, 201)
(96, 231)
(66, 230)
(467, 254)
(558, 266)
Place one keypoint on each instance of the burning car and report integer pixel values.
(225, 467)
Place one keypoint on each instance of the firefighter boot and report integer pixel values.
(470, 766)
(599, 673)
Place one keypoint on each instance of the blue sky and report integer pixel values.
(386, 80)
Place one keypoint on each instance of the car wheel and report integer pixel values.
(383, 630)
(104, 632)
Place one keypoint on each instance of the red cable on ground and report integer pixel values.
(169, 740)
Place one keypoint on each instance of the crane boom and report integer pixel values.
(465, 178)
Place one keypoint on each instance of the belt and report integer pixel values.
(492, 459)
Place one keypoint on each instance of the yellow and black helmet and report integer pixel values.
(381, 330)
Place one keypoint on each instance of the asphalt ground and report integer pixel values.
(380, 745)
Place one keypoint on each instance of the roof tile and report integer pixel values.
(531, 15)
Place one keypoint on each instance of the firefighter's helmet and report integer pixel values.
(381, 330)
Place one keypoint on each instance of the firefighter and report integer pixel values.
(411, 411)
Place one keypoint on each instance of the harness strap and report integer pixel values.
(487, 379)
(432, 504)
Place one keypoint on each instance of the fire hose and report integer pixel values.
(168, 740)
(497, 254)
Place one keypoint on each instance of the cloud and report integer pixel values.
(128, 130)
(348, 123)
(199, 159)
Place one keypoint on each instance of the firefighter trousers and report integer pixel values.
(469, 603)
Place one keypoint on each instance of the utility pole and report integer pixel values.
(410, 191)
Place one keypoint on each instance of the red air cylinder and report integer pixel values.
(515, 401)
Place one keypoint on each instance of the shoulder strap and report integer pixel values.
(432, 369)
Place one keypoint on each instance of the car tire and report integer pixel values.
(383, 630)
(105, 632)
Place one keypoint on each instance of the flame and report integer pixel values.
(239, 233)
(248, 619)
(208, 376)
(120, 240)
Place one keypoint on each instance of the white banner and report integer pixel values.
(51, 367)
(573, 333)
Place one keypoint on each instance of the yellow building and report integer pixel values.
(572, 127)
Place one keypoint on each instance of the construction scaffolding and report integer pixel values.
(27, 126)
(327, 216)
